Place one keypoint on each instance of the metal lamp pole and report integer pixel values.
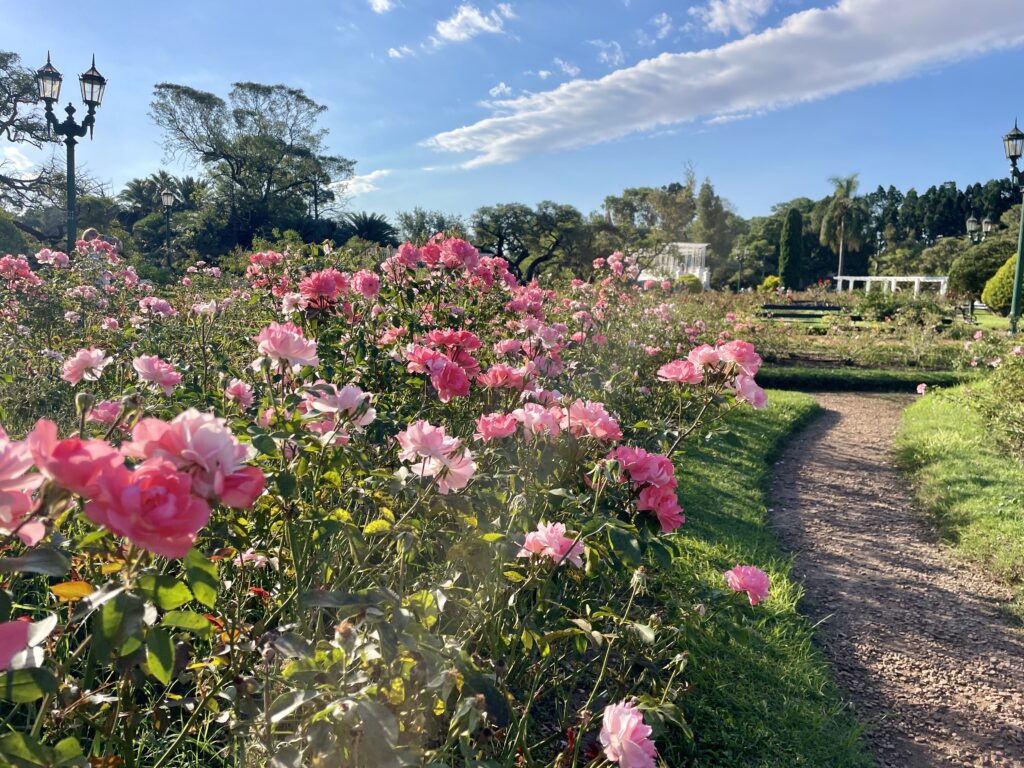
(167, 199)
(1013, 144)
(48, 80)
(739, 275)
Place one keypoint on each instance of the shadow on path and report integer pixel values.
(916, 639)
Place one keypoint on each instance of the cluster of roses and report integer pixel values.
(160, 505)
(18, 274)
(736, 362)
(331, 412)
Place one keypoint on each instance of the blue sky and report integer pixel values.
(453, 105)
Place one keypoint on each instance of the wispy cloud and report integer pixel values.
(500, 91)
(852, 44)
(18, 164)
(361, 185)
(724, 16)
(400, 52)
(382, 6)
(569, 69)
(609, 52)
(662, 24)
(468, 21)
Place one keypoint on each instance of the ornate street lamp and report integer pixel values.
(48, 80)
(167, 200)
(1013, 146)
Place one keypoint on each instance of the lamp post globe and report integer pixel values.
(93, 84)
(1013, 147)
(167, 200)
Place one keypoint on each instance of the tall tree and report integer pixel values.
(420, 224)
(791, 250)
(20, 123)
(371, 227)
(844, 219)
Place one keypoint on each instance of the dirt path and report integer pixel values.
(916, 639)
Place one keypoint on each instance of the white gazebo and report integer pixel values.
(676, 260)
(847, 283)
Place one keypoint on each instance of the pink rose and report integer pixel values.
(105, 412)
(13, 640)
(73, 464)
(152, 369)
(747, 391)
(152, 507)
(747, 578)
(549, 540)
(324, 285)
(625, 737)
(495, 426)
(237, 391)
(742, 355)
(87, 364)
(681, 372)
(16, 487)
(284, 343)
(449, 379)
(922, 388)
(704, 355)
(366, 283)
(663, 501)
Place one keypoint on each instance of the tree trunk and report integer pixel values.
(842, 238)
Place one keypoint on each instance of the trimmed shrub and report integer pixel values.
(998, 291)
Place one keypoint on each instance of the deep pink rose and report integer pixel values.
(747, 578)
(73, 464)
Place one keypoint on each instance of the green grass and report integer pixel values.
(765, 698)
(990, 321)
(972, 489)
(851, 379)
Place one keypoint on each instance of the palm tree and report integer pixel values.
(372, 227)
(844, 218)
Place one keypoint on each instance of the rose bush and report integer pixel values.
(305, 517)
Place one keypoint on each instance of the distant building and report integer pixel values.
(676, 260)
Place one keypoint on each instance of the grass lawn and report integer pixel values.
(851, 379)
(766, 698)
(971, 488)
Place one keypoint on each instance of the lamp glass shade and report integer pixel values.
(986, 225)
(167, 198)
(48, 80)
(93, 85)
(972, 225)
(1013, 143)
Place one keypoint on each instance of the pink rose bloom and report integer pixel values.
(495, 426)
(704, 355)
(423, 440)
(549, 540)
(590, 418)
(16, 487)
(152, 507)
(13, 640)
(157, 306)
(645, 468)
(349, 402)
(747, 578)
(625, 737)
(284, 343)
(237, 391)
(747, 391)
(74, 464)
(501, 376)
(507, 346)
(538, 420)
(453, 473)
(105, 412)
(110, 324)
(922, 388)
(681, 372)
(663, 502)
(742, 355)
(324, 285)
(202, 446)
(156, 371)
(449, 379)
(979, 335)
(87, 364)
(366, 283)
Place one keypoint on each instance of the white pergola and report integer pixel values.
(847, 283)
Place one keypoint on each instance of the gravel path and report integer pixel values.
(916, 639)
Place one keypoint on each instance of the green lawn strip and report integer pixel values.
(764, 697)
(852, 379)
(970, 486)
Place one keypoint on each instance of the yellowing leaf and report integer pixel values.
(112, 567)
(376, 527)
(70, 591)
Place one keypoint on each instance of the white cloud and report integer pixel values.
(570, 69)
(610, 53)
(400, 52)
(361, 185)
(811, 55)
(724, 16)
(382, 6)
(19, 164)
(500, 90)
(662, 24)
(469, 21)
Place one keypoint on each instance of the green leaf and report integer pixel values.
(515, 576)
(24, 747)
(117, 621)
(286, 484)
(67, 750)
(160, 654)
(291, 645)
(265, 444)
(42, 560)
(625, 545)
(287, 703)
(189, 621)
(166, 592)
(645, 632)
(24, 685)
(201, 575)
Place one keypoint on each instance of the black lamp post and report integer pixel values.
(1013, 145)
(739, 275)
(167, 200)
(48, 80)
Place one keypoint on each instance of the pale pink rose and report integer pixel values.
(979, 335)
(747, 578)
(742, 355)
(284, 344)
(704, 355)
(237, 391)
(453, 473)
(152, 507)
(74, 464)
(501, 376)
(16, 488)
(663, 501)
(13, 640)
(681, 372)
(625, 737)
(590, 418)
(87, 364)
(157, 306)
(110, 324)
(550, 540)
(645, 468)
(538, 420)
(747, 391)
(495, 426)
(105, 412)
(202, 446)
(349, 402)
(507, 346)
(153, 370)
(366, 283)
(423, 440)
(922, 388)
